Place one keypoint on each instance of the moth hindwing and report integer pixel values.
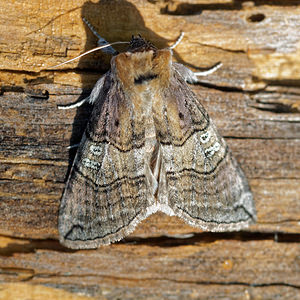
(150, 146)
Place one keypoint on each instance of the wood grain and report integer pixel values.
(254, 99)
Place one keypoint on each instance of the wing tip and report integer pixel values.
(111, 238)
(125, 231)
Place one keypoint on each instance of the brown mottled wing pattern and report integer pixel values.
(150, 146)
(200, 180)
(106, 194)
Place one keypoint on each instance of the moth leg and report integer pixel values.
(210, 70)
(177, 41)
(101, 40)
(73, 105)
(190, 76)
(96, 91)
(73, 146)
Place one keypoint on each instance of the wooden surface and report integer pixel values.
(254, 100)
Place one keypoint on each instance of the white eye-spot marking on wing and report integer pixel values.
(209, 152)
(205, 137)
(96, 150)
(91, 164)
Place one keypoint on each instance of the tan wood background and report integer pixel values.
(254, 100)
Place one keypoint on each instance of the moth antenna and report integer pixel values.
(87, 52)
(93, 30)
(177, 41)
(101, 40)
(209, 71)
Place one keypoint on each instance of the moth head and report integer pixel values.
(142, 66)
(138, 44)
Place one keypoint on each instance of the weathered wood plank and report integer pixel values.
(30, 209)
(231, 33)
(169, 270)
(104, 291)
(35, 161)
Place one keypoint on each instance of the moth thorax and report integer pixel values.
(143, 68)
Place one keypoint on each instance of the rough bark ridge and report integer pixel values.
(254, 100)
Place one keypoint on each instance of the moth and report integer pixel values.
(150, 146)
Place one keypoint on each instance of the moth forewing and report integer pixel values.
(150, 146)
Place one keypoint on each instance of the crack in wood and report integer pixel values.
(131, 279)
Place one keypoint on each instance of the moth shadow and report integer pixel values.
(114, 21)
